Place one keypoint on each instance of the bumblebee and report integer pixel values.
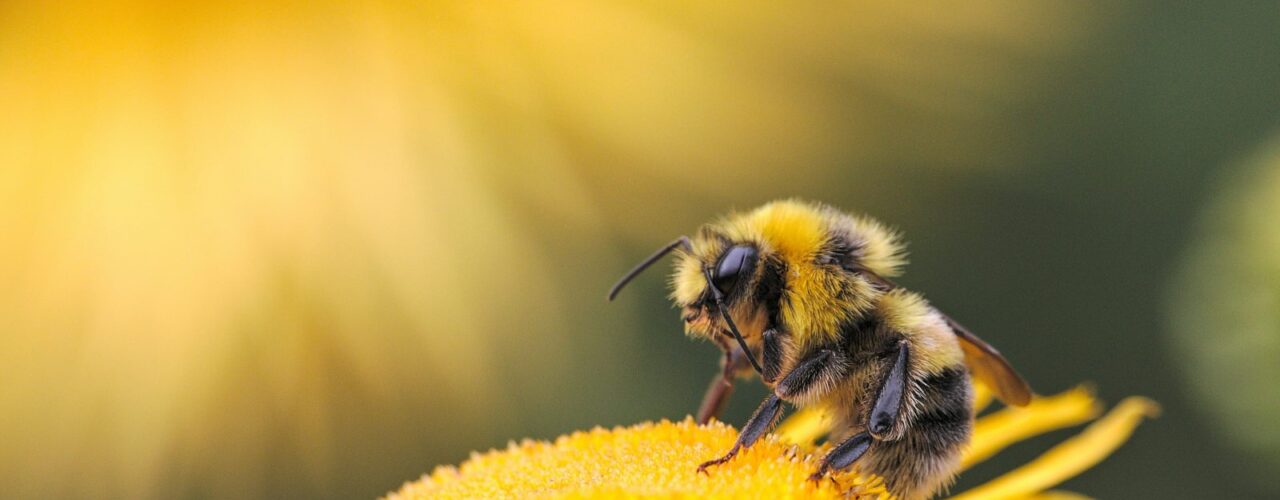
(801, 294)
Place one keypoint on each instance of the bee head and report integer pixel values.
(719, 275)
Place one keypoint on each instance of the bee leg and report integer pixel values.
(818, 370)
(844, 455)
(756, 426)
(880, 424)
(771, 355)
(888, 405)
(714, 399)
(721, 387)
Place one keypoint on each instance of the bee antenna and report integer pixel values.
(724, 313)
(682, 242)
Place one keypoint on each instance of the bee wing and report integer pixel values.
(989, 367)
(985, 362)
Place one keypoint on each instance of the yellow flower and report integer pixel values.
(659, 459)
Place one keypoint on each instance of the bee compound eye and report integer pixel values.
(736, 262)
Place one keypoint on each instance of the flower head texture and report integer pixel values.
(648, 459)
(658, 459)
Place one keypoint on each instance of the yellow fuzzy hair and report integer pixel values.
(796, 231)
(934, 346)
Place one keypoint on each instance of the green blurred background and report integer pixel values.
(313, 249)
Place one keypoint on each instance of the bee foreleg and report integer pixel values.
(844, 455)
(732, 366)
(771, 355)
(888, 404)
(756, 426)
(714, 399)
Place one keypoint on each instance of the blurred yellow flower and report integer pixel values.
(240, 237)
(659, 459)
(1229, 284)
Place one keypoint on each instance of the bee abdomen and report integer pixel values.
(927, 456)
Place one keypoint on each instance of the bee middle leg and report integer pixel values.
(759, 423)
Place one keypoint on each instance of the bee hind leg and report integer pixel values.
(756, 426)
(844, 455)
(881, 423)
(885, 414)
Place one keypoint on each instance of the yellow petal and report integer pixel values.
(1071, 456)
(805, 427)
(997, 431)
(981, 397)
(1056, 495)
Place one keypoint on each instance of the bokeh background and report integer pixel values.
(278, 249)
